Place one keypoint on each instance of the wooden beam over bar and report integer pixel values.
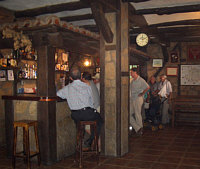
(51, 9)
(77, 17)
(136, 20)
(101, 21)
(169, 10)
(182, 22)
(143, 55)
(135, 1)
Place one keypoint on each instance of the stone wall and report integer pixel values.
(66, 131)
(5, 89)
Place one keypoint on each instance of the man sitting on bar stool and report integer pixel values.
(80, 101)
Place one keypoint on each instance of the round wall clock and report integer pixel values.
(142, 39)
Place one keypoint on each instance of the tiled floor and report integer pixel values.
(177, 148)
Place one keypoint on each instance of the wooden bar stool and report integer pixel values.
(26, 154)
(79, 142)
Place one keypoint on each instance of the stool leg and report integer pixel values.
(37, 144)
(14, 147)
(77, 143)
(82, 127)
(96, 143)
(27, 147)
(24, 144)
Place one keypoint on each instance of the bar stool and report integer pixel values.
(26, 154)
(79, 142)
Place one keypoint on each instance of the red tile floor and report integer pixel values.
(177, 148)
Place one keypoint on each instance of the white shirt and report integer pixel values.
(165, 88)
(78, 95)
(137, 86)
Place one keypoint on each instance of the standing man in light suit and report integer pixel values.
(138, 88)
(80, 101)
(165, 93)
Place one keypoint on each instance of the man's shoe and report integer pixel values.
(88, 142)
(140, 131)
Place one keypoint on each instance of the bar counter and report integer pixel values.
(56, 130)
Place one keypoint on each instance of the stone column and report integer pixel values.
(114, 90)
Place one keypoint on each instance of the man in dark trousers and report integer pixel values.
(80, 101)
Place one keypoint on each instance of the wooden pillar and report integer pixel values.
(114, 83)
(46, 109)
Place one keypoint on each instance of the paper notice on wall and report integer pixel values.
(10, 75)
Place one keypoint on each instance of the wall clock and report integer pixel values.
(142, 39)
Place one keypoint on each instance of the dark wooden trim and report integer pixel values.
(51, 9)
(102, 89)
(169, 10)
(9, 119)
(136, 20)
(110, 47)
(135, 1)
(31, 98)
(46, 111)
(77, 17)
(143, 55)
(101, 21)
(118, 79)
(183, 22)
(125, 74)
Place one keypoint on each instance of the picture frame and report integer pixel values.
(3, 75)
(157, 63)
(193, 53)
(172, 71)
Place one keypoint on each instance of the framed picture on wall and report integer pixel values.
(157, 63)
(172, 71)
(193, 53)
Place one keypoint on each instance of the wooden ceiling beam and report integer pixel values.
(135, 1)
(51, 9)
(6, 15)
(136, 20)
(101, 21)
(183, 22)
(169, 10)
(77, 17)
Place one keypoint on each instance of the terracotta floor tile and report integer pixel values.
(173, 154)
(118, 161)
(192, 155)
(145, 157)
(164, 166)
(167, 159)
(191, 161)
(140, 164)
(152, 152)
(171, 148)
(187, 167)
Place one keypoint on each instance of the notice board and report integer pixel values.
(190, 75)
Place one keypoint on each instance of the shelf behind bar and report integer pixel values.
(32, 98)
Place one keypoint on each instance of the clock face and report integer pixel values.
(142, 39)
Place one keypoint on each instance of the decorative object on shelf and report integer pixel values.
(20, 40)
(2, 75)
(174, 57)
(193, 53)
(157, 63)
(142, 39)
(172, 71)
